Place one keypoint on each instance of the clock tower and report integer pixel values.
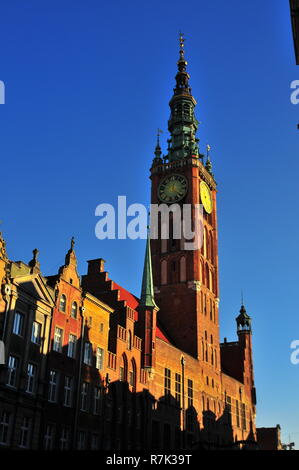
(186, 281)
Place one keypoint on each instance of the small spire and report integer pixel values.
(147, 290)
(72, 243)
(158, 151)
(208, 164)
(182, 77)
(243, 320)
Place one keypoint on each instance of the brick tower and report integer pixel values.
(186, 281)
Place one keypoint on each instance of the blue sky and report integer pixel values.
(88, 83)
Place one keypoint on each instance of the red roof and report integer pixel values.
(133, 302)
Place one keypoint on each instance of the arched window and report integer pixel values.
(211, 248)
(210, 281)
(207, 276)
(183, 269)
(123, 370)
(205, 241)
(129, 341)
(132, 375)
(74, 310)
(62, 303)
(164, 272)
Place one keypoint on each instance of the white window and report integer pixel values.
(68, 390)
(53, 382)
(4, 428)
(57, 345)
(62, 303)
(36, 332)
(64, 441)
(74, 310)
(24, 432)
(100, 358)
(18, 323)
(31, 377)
(84, 396)
(81, 440)
(71, 351)
(49, 437)
(97, 400)
(12, 371)
(87, 353)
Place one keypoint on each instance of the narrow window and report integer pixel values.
(24, 432)
(72, 346)
(36, 332)
(74, 310)
(62, 303)
(84, 396)
(4, 428)
(57, 344)
(68, 391)
(88, 353)
(64, 441)
(190, 393)
(178, 387)
(100, 359)
(31, 377)
(97, 400)
(49, 437)
(82, 440)
(53, 382)
(18, 324)
(167, 383)
(13, 363)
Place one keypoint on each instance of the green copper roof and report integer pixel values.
(182, 123)
(147, 290)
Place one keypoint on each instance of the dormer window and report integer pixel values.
(62, 303)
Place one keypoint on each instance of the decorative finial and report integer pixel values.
(34, 263)
(242, 298)
(35, 254)
(72, 243)
(182, 44)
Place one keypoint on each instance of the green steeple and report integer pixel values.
(182, 124)
(147, 290)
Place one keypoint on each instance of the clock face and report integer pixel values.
(206, 197)
(172, 188)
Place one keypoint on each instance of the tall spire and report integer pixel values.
(182, 77)
(147, 290)
(182, 124)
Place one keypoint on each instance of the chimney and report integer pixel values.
(96, 266)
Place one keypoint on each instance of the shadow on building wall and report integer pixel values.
(117, 418)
